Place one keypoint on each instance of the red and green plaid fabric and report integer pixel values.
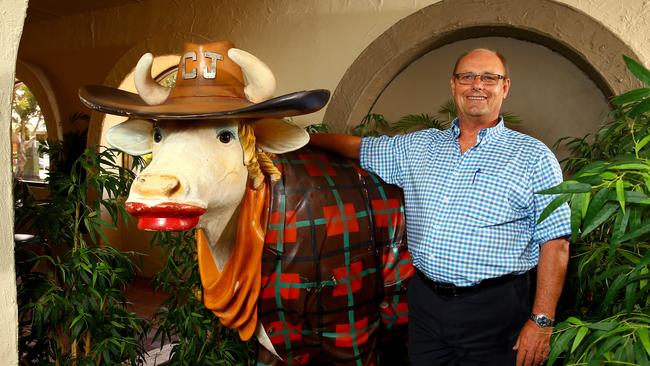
(335, 263)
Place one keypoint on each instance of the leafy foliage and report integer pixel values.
(317, 128)
(608, 316)
(71, 307)
(199, 337)
(371, 125)
(374, 124)
(26, 123)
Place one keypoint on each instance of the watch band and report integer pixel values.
(542, 320)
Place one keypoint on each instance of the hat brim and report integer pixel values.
(122, 103)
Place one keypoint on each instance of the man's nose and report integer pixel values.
(477, 83)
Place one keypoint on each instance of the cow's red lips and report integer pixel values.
(166, 216)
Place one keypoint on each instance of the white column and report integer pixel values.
(11, 28)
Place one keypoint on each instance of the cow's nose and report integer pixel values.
(156, 185)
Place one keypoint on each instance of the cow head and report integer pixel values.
(200, 167)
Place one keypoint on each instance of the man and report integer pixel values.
(471, 216)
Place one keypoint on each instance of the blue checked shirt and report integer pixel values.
(473, 216)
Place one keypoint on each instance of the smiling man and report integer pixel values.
(488, 275)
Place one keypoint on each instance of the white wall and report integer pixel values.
(13, 16)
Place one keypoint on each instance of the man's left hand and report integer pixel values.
(533, 344)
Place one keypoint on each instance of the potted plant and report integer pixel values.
(606, 318)
(71, 307)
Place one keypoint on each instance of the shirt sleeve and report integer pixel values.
(385, 156)
(546, 174)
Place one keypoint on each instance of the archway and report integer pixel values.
(575, 35)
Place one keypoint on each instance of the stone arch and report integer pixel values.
(40, 86)
(575, 35)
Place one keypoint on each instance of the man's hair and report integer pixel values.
(500, 56)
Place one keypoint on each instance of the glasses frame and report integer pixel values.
(457, 76)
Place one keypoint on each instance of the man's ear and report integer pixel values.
(506, 87)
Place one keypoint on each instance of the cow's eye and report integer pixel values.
(225, 136)
(157, 134)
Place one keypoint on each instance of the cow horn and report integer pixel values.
(148, 89)
(260, 82)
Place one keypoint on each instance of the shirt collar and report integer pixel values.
(484, 134)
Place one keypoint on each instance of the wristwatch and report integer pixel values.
(542, 320)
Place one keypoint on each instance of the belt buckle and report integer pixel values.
(446, 290)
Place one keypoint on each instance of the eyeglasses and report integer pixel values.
(467, 78)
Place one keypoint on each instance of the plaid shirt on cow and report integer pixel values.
(471, 216)
(335, 263)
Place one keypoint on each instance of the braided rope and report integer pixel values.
(257, 161)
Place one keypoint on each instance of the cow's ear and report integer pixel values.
(134, 136)
(279, 136)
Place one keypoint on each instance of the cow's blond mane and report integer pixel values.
(257, 162)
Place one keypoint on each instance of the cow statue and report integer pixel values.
(300, 248)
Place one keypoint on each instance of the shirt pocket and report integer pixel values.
(486, 198)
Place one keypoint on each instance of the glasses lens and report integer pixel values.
(466, 77)
(490, 79)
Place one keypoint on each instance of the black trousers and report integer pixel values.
(478, 328)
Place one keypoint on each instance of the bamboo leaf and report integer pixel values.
(620, 225)
(631, 197)
(585, 204)
(600, 198)
(643, 283)
(561, 344)
(631, 96)
(635, 218)
(642, 333)
(640, 109)
(576, 213)
(637, 70)
(641, 144)
(620, 193)
(630, 166)
(582, 332)
(557, 202)
(641, 230)
(567, 187)
(605, 213)
(641, 354)
(575, 321)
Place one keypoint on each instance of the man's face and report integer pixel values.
(478, 101)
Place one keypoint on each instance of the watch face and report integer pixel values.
(542, 320)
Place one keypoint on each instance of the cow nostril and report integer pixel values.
(157, 185)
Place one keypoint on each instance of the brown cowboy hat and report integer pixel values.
(214, 80)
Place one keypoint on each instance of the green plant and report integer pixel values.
(71, 307)
(198, 336)
(317, 128)
(374, 124)
(371, 125)
(607, 316)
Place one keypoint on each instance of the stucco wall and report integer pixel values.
(308, 44)
(13, 14)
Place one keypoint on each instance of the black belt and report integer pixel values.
(449, 289)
